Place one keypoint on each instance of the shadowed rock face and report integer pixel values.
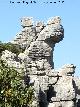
(52, 88)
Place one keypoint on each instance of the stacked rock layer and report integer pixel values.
(52, 88)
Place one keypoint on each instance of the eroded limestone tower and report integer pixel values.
(53, 88)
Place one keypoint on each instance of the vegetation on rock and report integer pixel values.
(10, 47)
(12, 91)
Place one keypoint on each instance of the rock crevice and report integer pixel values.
(52, 88)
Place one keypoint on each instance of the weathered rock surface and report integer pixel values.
(12, 60)
(62, 104)
(52, 88)
(64, 89)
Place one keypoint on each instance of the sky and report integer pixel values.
(65, 52)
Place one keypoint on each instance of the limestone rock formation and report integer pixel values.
(52, 88)
(12, 60)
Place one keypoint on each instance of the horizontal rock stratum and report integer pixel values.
(52, 88)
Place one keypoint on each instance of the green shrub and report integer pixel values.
(10, 47)
(12, 91)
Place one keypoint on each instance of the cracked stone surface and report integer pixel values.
(53, 88)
